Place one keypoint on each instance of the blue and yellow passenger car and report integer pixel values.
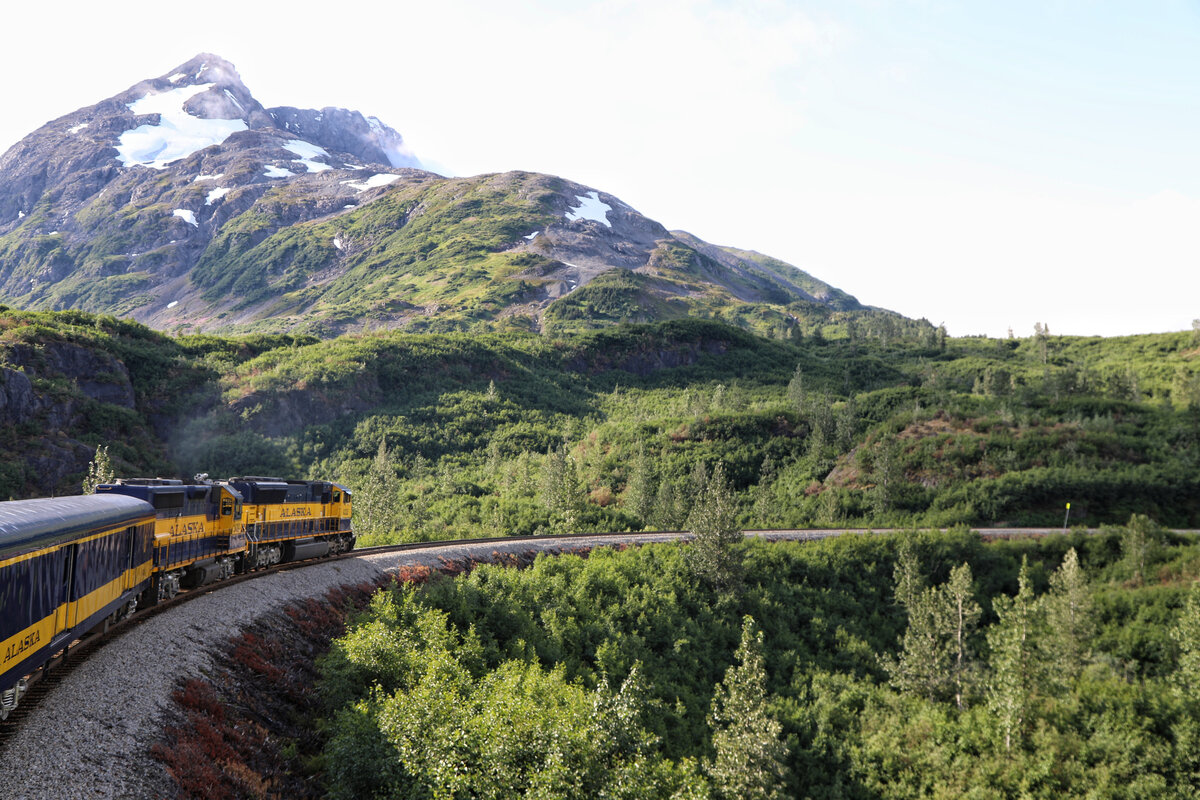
(67, 565)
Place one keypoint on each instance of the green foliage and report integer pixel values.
(798, 709)
(443, 722)
(100, 471)
(376, 501)
(1015, 666)
(714, 555)
(1186, 634)
(750, 761)
(935, 660)
(1070, 613)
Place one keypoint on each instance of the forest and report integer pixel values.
(917, 664)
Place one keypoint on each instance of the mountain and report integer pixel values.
(184, 203)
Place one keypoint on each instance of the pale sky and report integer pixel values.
(981, 164)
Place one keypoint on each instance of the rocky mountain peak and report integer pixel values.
(186, 204)
(205, 68)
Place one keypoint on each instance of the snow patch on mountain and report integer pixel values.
(373, 182)
(77, 128)
(272, 171)
(212, 177)
(177, 135)
(187, 216)
(177, 77)
(215, 195)
(307, 153)
(590, 207)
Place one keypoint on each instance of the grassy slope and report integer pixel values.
(982, 431)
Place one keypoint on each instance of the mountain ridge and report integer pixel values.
(184, 203)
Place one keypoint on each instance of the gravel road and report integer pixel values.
(91, 736)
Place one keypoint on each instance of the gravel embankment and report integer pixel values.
(90, 738)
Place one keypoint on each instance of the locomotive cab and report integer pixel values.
(199, 536)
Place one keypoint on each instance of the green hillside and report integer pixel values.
(857, 423)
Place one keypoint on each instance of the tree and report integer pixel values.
(1015, 669)
(888, 475)
(1069, 618)
(562, 492)
(909, 582)
(663, 517)
(714, 554)
(640, 491)
(935, 653)
(100, 471)
(377, 500)
(750, 756)
(959, 597)
(1186, 635)
(1137, 543)
(1041, 335)
(795, 389)
(846, 425)
(923, 665)
(764, 492)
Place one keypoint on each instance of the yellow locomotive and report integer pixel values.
(69, 565)
(209, 530)
(293, 520)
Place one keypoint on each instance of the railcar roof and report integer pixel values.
(28, 525)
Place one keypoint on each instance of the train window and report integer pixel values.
(337, 497)
(226, 507)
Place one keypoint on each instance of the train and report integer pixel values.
(72, 565)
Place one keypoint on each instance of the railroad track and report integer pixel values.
(43, 682)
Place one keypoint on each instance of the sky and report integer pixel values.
(983, 165)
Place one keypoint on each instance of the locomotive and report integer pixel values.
(72, 565)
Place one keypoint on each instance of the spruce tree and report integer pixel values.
(714, 554)
(562, 493)
(377, 501)
(100, 471)
(750, 755)
(795, 390)
(907, 574)
(1137, 544)
(639, 492)
(664, 517)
